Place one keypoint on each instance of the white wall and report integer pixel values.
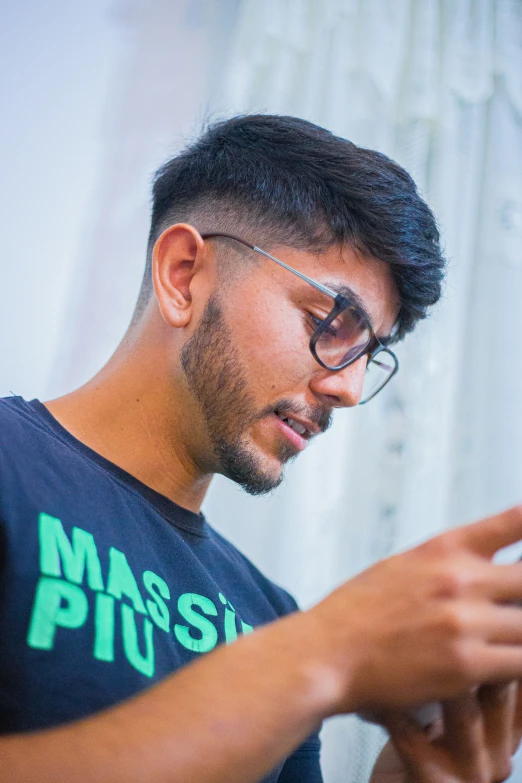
(57, 65)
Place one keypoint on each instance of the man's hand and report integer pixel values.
(428, 624)
(480, 732)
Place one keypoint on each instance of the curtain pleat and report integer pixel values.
(437, 85)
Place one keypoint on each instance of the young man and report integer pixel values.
(283, 262)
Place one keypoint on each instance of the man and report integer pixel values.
(283, 262)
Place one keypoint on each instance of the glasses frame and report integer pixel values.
(341, 303)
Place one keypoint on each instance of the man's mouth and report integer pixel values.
(295, 425)
(295, 431)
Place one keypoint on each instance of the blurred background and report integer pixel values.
(96, 95)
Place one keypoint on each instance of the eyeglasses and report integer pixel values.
(344, 336)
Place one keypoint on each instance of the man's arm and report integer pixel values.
(230, 716)
(421, 626)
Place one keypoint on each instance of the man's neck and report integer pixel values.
(130, 414)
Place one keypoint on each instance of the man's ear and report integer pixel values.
(174, 262)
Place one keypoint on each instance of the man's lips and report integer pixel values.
(311, 427)
(296, 428)
(299, 442)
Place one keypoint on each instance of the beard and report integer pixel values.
(217, 379)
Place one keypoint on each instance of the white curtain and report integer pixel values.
(436, 84)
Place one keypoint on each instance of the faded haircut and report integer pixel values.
(278, 180)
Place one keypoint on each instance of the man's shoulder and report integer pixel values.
(33, 454)
(11, 408)
(17, 421)
(22, 426)
(281, 600)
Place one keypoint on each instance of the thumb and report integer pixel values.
(411, 741)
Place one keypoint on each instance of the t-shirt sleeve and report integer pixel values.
(303, 765)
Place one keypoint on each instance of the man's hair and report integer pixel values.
(277, 180)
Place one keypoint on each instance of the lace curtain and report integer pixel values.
(437, 85)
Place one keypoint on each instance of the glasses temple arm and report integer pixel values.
(324, 289)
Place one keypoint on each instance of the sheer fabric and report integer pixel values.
(436, 85)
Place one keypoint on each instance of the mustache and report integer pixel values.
(320, 416)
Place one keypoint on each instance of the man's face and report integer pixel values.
(250, 368)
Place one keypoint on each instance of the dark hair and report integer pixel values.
(287, 181)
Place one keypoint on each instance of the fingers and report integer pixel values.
(397, 756)
(517, 720)
(496, 663)
(503, 583)
(477, 741)
(459, 754)
(416, 751)
(464, 729)
(489, 535)
(496, 624)
(498, 704)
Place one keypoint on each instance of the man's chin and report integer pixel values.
(261, 485)
(255, 483)
(242, 465)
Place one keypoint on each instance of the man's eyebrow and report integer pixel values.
(355, 299)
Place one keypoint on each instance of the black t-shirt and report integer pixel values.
(106, 586)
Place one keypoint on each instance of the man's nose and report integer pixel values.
(343, 388)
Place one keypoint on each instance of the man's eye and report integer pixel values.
(316, 321)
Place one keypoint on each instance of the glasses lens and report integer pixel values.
(378, 373)
(345, 337)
